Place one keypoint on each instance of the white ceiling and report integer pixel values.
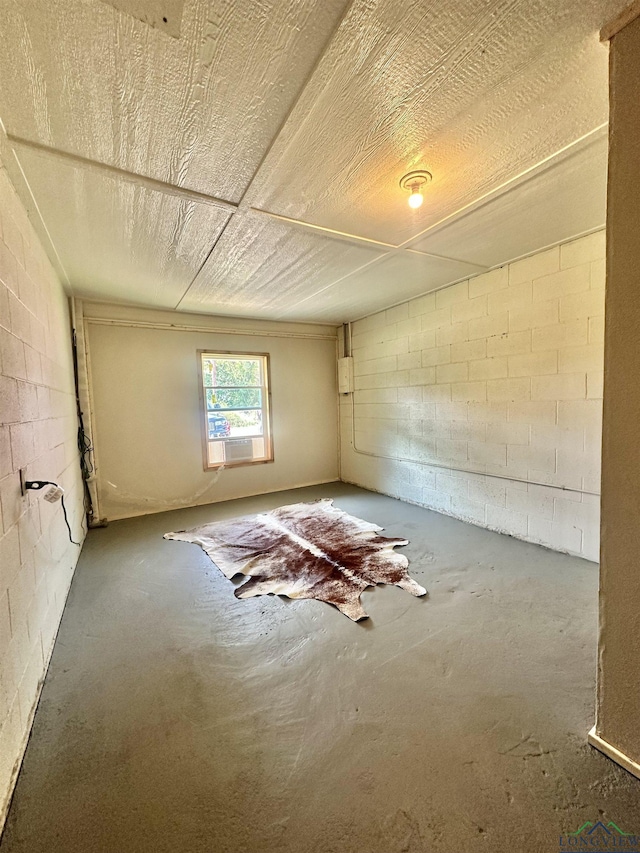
(242, 157)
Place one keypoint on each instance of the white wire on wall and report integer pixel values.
(441, 466)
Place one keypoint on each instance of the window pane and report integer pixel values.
(236, 422)
(207, 371)
(244, 423)
(218, 426)
(231, 371)
(237, 398)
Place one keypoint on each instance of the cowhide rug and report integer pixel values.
(305, 550)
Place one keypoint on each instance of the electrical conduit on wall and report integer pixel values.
(505, 372)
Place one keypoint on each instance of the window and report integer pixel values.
(236, 419)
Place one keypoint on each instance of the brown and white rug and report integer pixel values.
(305, 550)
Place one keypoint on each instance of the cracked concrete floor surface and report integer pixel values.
(177, 718)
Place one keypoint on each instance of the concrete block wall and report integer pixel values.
(38, 432)
(501, 373)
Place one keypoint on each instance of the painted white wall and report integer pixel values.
(146, 417)
(501, 373)
(38, 432)
(617, 728)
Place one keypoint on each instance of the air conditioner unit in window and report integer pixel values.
(238, 450)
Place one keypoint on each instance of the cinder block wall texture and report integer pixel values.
(501, 374)
(38, 432)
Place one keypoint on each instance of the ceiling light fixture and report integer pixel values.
(414, 182)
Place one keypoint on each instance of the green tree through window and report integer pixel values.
(236, 403)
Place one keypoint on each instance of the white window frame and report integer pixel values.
(265, 387)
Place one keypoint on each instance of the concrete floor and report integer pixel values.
(176, 718)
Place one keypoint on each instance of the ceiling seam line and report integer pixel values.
(131, 177)
(309, 77)
(241, 205)
(206, 258)
(443, 258)
(341, 278)
(42, 221)
(522, 177)
(334, 231)
(389, 248)
(514, 260)
(477, 204)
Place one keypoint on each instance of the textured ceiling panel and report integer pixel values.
(261, 267)
(395, 278)
(567, 198)
(312, 110)
(118, 240)
(165, 15)
(474, 91)
(199, 111)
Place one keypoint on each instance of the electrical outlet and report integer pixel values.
(23, 481)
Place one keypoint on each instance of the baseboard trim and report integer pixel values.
(614, 754)
(160, 510)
